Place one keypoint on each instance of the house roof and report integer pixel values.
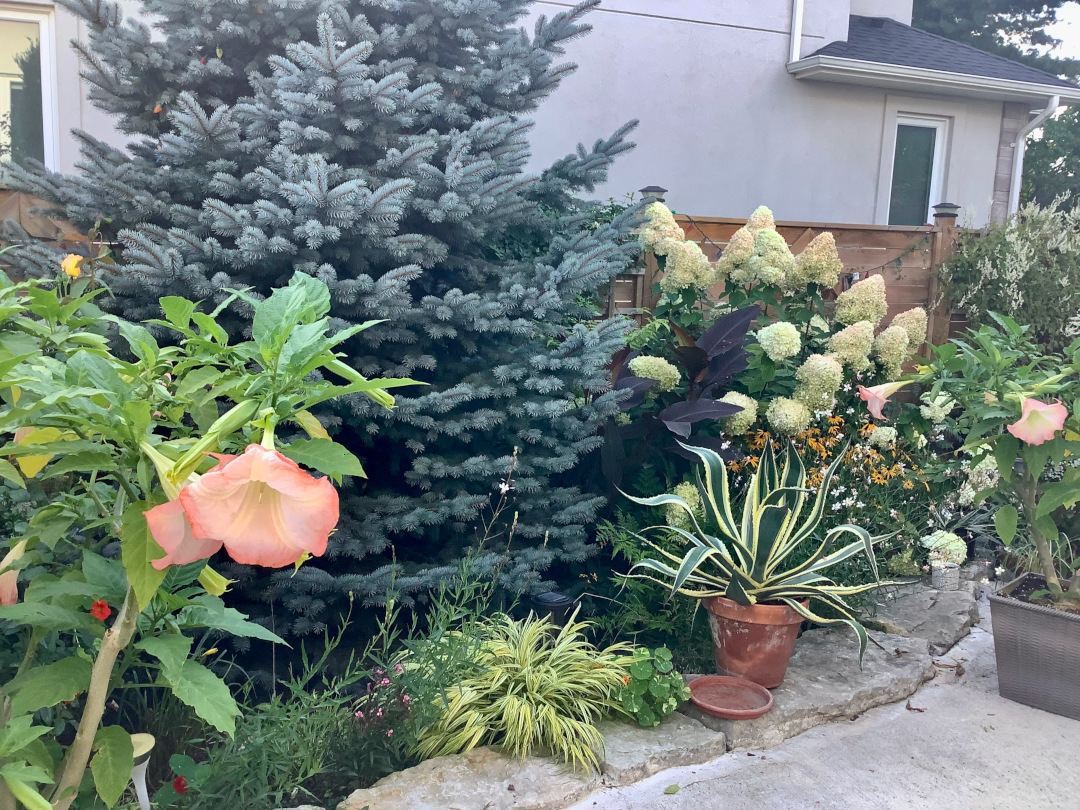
(880, 39)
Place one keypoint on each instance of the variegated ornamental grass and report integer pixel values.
(756, 559)
(535, 688)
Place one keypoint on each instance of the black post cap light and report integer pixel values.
(946, 210)
(653, 193)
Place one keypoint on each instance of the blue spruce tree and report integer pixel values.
(378, 145)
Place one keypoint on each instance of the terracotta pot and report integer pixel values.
(753, 642)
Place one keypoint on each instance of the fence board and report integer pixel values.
(903, 255)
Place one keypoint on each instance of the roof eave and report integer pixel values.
(924, 80)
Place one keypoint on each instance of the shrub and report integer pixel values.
(381, 148)
(1027, 268)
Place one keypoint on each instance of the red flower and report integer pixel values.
(179, 784)
(100, 610)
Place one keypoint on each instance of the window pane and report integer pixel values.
(913, 172)
(21, 132)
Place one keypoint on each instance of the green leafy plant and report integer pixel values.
(129, 436)
(749, 560)
(653, 688)
(1001, 381)
(531, 686)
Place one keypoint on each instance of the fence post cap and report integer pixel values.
(653, 193)
(946, 210)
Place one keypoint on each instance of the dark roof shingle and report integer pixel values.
(883, 40)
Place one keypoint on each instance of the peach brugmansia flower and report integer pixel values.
(1039, 421)
(9, 587)
(70, 265)
(876, 396)
(261, 506)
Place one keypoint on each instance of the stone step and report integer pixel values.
(825, 683)
(633, 753)
(940, 617)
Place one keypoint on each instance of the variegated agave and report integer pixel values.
(750, 560)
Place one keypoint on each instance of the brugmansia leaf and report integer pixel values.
(49, 685)
(326, 456)
(207, 694)
(111, 765)
(138, 550)
(1005, 520)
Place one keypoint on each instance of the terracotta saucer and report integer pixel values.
(730, 698)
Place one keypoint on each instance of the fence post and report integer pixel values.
(942, 248)
(648, 299)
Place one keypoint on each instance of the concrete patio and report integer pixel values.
(955, 744)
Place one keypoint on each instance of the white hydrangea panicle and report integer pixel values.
(772, 261)
(735, 259)
(819, 263)
(659, 225)
(656, 368)
(883, 438)
(788, 417)
(851, 346)
(686, 267)
(780, 340)
(819, 378)
(761, 219)
(676, 516)
(739, 423)
(936, 408)
(915, 322)
(891, 350)
(864, 301)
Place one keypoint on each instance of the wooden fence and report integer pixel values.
(907, 257)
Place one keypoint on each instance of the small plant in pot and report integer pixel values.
(745, 571)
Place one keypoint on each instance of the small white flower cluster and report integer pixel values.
(944, 547)
(779, 340)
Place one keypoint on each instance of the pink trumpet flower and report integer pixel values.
(1039, 421)
(262, 507)
(876, 396)
(9, 586)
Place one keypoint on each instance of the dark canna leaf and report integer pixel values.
(728, 333)
(679, 417)
(638, 387)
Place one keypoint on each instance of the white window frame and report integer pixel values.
(45, 17)
(940, 125)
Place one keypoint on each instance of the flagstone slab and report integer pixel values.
(940, 617)
(633, 753)
(482, 779)
(825, 683)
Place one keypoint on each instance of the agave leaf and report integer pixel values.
(691, 562)
(771, 524)
(715, 492)
(847, 619)
(818, 510)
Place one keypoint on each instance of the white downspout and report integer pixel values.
(1021, 149)
(796, 30)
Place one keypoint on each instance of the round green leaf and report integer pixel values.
(642, 670)
(660, 689)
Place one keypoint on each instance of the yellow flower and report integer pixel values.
(70, 265)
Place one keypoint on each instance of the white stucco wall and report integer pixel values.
(723, 125)
(725, 128)
(71, 107)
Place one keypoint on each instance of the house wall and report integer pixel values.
(71, 106)
(722, 123)
(725, 128)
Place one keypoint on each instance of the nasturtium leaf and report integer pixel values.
(642, 670)
(659, 689)
(112, 763)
